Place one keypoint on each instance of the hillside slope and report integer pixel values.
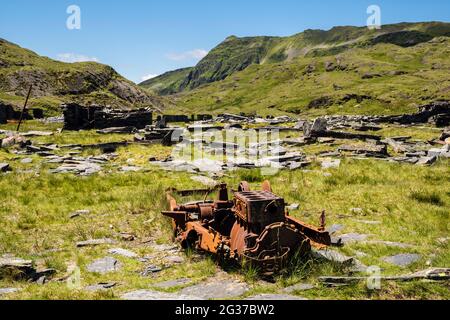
(379, 79)
(55, 82)
(237, 54)
(167, 83)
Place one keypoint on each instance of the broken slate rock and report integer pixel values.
(150, 270)
(330, 164)
(372, 222)
(17, 267)
(101, 286)
(390, 244)
(122, 252)
(335, 228)
(26, 161)
(174, 259)
(164, 247)
(104, 265)
(205, 181)
(20, 269)
(151, 295)
(298, 287)
(4, 167)
(274, 297)
(403, 259)
(357, 210)
(8, 290)
(426, 161)
(353, 265)
(353, 237)
(94, 242)
(78, 213)
(173, 283)
(217, 290)
(293, 206)
(131, 169)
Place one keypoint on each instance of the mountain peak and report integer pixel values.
(236, 54)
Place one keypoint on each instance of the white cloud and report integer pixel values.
(149, 76)
(75, 57)
(193, 54)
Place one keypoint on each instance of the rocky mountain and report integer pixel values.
(167, 83)
(237, 54)
(55, 82)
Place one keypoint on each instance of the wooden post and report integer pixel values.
(24, 107)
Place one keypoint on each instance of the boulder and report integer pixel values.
(104, 265)
(4, 167)
(222, 289)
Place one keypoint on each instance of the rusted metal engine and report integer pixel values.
(254, 227)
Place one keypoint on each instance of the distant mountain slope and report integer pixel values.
(236, 54)
(55, 82)
(167, 83)
(382, 78)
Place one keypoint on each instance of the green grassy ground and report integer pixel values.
(411, 202)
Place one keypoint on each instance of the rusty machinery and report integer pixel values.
(253, 227)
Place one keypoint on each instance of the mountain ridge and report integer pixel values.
(235, 54)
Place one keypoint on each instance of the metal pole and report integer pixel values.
(24, 107)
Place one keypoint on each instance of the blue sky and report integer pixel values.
(141, 38)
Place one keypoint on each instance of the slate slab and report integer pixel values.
(4, 291)
(164, 247)
(335, 228)
(150, 270)
(131, 169)
(331, 164)
(16, 266)
(403, 259)
(173, 283)
(104, 265)
(79, 213)
(372, 222)
(294, 206)
(95, 242)
(101, 286)
(204, 180)
(219, 289)
(351, 263)
(26, 161)
(353, 237)
(391, 243)
(123, 252)
(424, 161)
(4, 167)
(298, 287)
(174, 259)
